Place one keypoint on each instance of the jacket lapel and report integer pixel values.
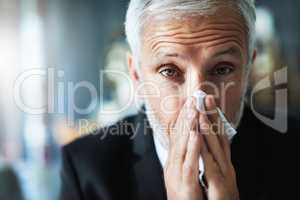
(146, 172)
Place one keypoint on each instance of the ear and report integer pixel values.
(132, 69)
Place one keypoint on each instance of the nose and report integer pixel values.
(195, 80)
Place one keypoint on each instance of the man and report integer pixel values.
(179, 47)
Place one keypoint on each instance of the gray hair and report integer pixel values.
(139, 10)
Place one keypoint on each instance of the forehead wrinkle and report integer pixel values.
(197, 35)
(225, 40)
(171, 28)
(232, 51)
(197, 42)
(192, 28)
(236, 49)
(167, 28)
(197, 38)
(210, 32)
(181, 32)
(163, 51)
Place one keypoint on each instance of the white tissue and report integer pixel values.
(200, 96)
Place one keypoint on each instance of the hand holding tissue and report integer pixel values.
(229, 131)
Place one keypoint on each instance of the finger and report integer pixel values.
(211, 108)
(212, 142)
(182, 119)
(214, 118)
(211, 168)
(218, 125)
(184, 123)
(191, 162)
(226, 146)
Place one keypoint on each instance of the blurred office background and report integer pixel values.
(51, 48)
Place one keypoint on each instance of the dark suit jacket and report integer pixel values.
(120, 162)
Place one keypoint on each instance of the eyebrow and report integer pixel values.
(234, 51)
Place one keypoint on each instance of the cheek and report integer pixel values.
(167, 104)
(233, 99)
(164, 98)
(231, 96)
(170, 101)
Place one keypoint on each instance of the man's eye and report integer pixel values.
(223, 70)
(169, 72)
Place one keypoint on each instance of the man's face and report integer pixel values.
(180, 56)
